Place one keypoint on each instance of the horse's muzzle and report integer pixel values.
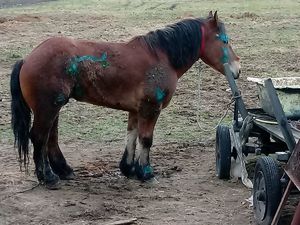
(236, 75)
(235, 68)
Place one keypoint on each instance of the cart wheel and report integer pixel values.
(266, 190)
(223, 152)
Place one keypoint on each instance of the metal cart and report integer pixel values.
(254, 131)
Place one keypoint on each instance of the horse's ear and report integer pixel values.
(210, 15)
(216, 16)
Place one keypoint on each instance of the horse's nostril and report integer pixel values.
(240, 71)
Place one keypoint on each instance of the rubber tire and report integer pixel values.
(223, 152)
(268, 168)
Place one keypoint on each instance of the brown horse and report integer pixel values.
(139, 76)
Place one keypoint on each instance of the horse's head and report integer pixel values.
(215, 48)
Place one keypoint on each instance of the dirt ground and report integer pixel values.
(187, 193)
(187, 190)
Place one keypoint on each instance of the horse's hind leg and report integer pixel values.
(57, 160)
(42, 124)
(127, 161)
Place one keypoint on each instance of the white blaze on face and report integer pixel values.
(235, 67)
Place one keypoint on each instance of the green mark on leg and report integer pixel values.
(148, 170)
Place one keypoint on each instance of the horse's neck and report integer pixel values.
(162, 56)
(183, 70)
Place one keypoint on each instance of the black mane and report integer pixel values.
(180, 41)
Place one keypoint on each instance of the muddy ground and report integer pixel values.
(187, 190)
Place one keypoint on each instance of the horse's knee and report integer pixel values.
(149, 110)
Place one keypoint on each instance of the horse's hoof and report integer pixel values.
(127, 170)
(53, 186)
(40, 176)
(66, 173)
(70, 176)
(144, 173)
(52, 182)
(63, 170)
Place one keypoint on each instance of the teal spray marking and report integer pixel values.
(225, 57)
(148, 170)
(159, 94)
(224, 38)
(73, 67)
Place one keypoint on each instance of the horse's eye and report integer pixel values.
(223, 37)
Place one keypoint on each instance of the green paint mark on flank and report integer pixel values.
(73, 68)
(74, 63)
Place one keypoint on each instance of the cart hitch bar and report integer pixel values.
(236, 94)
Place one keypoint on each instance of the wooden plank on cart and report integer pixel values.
(275, 130)
(293, 166)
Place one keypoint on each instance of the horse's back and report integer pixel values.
(109, 74)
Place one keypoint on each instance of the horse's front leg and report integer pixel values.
(127, 161)
(146, 122)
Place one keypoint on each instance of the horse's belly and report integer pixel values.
(112, 96)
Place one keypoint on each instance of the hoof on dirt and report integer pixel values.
(53, 186)
(144, 173)
(52, 182)
(127, 170)
(39, 175)
(63, 170)
(66, 173)
(70, 176)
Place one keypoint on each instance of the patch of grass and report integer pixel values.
(6, 134)
(11, 55)
(92, 123)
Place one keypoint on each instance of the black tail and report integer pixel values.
(21, 115)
